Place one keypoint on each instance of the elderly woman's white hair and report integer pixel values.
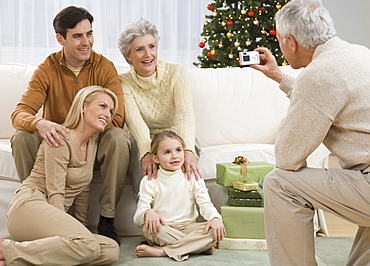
(138, 28)
(308, 21)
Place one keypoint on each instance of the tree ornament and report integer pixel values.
(256, 22)
(209, 7)
(229, 35)
(250, 13)
(278, 6)
(243, 11)
(248, 42)
(224, 4)
(213, 52)
(231, 56)
(263, 31)
(223, 23)
(260, 8)
(204, 40)
(273, 32)
(229, 23)
(220, 46)
(206, 23)
(209, 54)
(284, 63)
(214, 14)
(201, 44)
(236, 44)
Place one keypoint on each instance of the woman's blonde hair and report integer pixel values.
(161, 136)
(85, 96)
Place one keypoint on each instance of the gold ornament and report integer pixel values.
(237, 44)
(247, 43)
(256, 22)
(223, 23)
(213, 52)
(224, 4)
(284, 63)
(231, 56)
(221, 46)
(243, 11)
(204, 40)
(206, 23)
(229, 34)
(263, 31)
(278, 6)
(214, 14)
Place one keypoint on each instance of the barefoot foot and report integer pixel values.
(210, 251)
(148, 251)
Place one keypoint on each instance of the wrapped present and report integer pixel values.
(245, 202)
(241, 170)
(245, 186)
(243, 222)
(242, 244)
(240, 194)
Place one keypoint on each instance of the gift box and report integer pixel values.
(240, 194)
(242, 244)
(245, 186)
(245, 202)
(243, 222)
(245, 172)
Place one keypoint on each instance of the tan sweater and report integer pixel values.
(53, 86)
(160, 102)
(62, 177)
(329, 103)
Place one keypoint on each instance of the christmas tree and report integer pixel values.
(236, 26)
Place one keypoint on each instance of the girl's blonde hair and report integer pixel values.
(85, 96)
(161, 136)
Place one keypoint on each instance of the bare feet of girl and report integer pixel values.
(210, 251)
(2, 259)
(148, 251)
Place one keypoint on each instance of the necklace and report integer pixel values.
(83, 150)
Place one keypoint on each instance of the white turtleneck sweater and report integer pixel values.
(159, 102)
(329, 103)
(173, 197)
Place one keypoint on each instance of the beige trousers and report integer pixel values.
(290, 200)
(178, 240)
(45, 235)
(112, 158)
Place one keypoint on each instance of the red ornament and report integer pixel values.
(209, 54)
(250, 13)
(229, 23)
(273, 32)
(209, 7)
(201, 45)
(260, 8)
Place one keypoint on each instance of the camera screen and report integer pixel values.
(246, 58)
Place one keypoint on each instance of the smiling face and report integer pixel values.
(78, 43)
(143, 55)
(170, 154)
(98, 112)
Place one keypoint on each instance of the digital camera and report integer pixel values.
(249, 58)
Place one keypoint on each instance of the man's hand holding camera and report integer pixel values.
(268, 65)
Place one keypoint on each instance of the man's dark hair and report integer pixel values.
(68, 17)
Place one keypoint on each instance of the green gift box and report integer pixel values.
(227, 173)
(243, 222)
(245, 202)
(240, 194)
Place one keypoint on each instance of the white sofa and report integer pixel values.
(237, 111)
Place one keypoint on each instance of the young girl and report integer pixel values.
(166, 209)
(42, 231)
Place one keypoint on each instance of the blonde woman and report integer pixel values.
(42, 231)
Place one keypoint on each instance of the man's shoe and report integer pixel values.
(106, 228)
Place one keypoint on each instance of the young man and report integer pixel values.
(329, 103)
(53, 86)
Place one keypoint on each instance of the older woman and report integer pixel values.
(157, 96)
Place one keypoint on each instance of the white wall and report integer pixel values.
(351, 19)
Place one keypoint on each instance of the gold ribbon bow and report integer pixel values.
(242, 161)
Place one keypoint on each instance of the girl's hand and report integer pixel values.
(153, 222)
(217, 227)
